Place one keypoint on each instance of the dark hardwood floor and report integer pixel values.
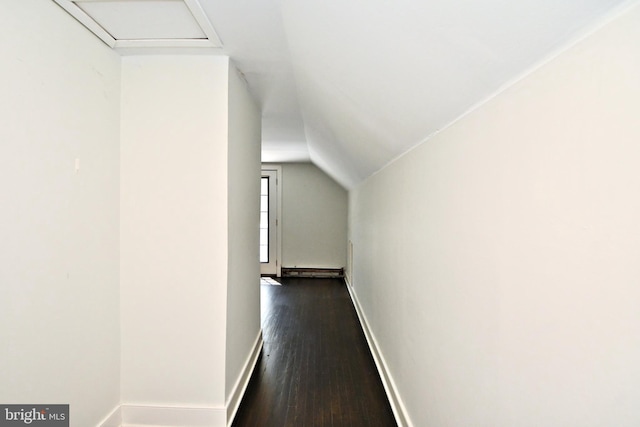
(315, 369)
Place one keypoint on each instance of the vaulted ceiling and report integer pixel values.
(352, 84)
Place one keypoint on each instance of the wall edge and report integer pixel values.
(397, 405)
(234, 400)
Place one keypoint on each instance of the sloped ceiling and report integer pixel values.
(353, 84)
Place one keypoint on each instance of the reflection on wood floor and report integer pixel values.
(315, 368)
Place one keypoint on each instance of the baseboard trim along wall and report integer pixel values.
(233, 402)
(114, 419)
(399, 410)
(178, 416)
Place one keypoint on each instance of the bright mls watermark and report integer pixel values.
(34, 415)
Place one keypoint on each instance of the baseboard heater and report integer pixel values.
(313, 272)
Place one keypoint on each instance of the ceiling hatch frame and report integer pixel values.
(211, 41)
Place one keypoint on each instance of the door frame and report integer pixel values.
(278, 217)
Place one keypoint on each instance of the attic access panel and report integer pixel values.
(145, 23)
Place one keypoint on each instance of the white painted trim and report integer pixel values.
(87, 21)
(270, 267)
(399, 410)
(201, 18)
(278, 169)
(167, 43)
(279, 228)
(172, 416)
(212, 40)
(233, 402)
(114, 419)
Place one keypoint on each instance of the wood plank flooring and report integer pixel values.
(315, 369)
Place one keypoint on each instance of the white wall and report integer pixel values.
(314, 218)
(243, 292)
(497, 263)
(59, 309)
(174, 230)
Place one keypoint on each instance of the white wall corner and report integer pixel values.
(397, 405)
(233, 402)
(114, 419)
(167, 416)
(348, 273)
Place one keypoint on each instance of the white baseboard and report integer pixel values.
(233, 402)
(178, 416)
(114, 419)
(166, 416)
(399, 410)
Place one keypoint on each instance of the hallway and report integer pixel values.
(315, 368)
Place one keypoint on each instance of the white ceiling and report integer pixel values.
(353, 84)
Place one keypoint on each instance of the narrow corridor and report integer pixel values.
(315, 368)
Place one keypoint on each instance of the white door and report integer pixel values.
(268, 222)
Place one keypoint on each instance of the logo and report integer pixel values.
(34, 415)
